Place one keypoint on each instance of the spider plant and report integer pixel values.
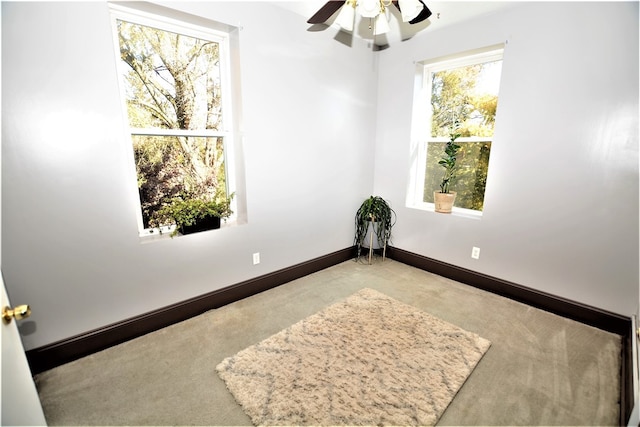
(377, 212)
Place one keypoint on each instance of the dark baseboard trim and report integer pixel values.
(592, 316)
(601, 319)
(67, 350)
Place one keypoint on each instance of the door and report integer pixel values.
(634, 419)
(20, 403)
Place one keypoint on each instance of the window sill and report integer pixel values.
(156, 234)
(458, 212)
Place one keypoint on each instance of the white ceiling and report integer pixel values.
(444, 13)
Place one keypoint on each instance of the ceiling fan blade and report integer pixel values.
(326, 11)
(422, 15)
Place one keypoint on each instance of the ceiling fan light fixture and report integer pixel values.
(346, 16)
(369, 8)
(410, 9)
(381, 26)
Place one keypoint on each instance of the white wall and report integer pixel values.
(567, 135)
(561, 206)
(70, 245)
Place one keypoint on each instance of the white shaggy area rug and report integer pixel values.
(367, 360)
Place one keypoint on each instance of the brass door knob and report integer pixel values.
(19, 312)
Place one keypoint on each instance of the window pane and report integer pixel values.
(466, 95)
(169, 166)
(471, 174)
(171, 81)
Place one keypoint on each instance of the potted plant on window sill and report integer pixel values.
(194, 214)
(374, 217)
(445, 198)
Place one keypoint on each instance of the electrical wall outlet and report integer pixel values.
(256, 258)
(475, 253)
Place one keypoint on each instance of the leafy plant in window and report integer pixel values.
(445, 199)
(448, 161)
(192, 214)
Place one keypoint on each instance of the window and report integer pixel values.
(460, 93)
(175, 86)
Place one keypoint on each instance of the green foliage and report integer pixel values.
(164, 173)
(171, 76)
(448, 161)
(161, 173)
(451, 98)
(377, 211)
(472, 165)
(184, 211)
(455, 98)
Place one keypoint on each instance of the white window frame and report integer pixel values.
(421, 123)
(228, 133)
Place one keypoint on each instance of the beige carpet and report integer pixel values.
(368, 360)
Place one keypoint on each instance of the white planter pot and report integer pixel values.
(370, 239)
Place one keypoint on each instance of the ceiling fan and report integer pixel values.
(412, 11)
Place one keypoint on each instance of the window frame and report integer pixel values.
(228, 132)
(422, 117)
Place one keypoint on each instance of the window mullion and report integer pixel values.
(177, 132)
(462, 139)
